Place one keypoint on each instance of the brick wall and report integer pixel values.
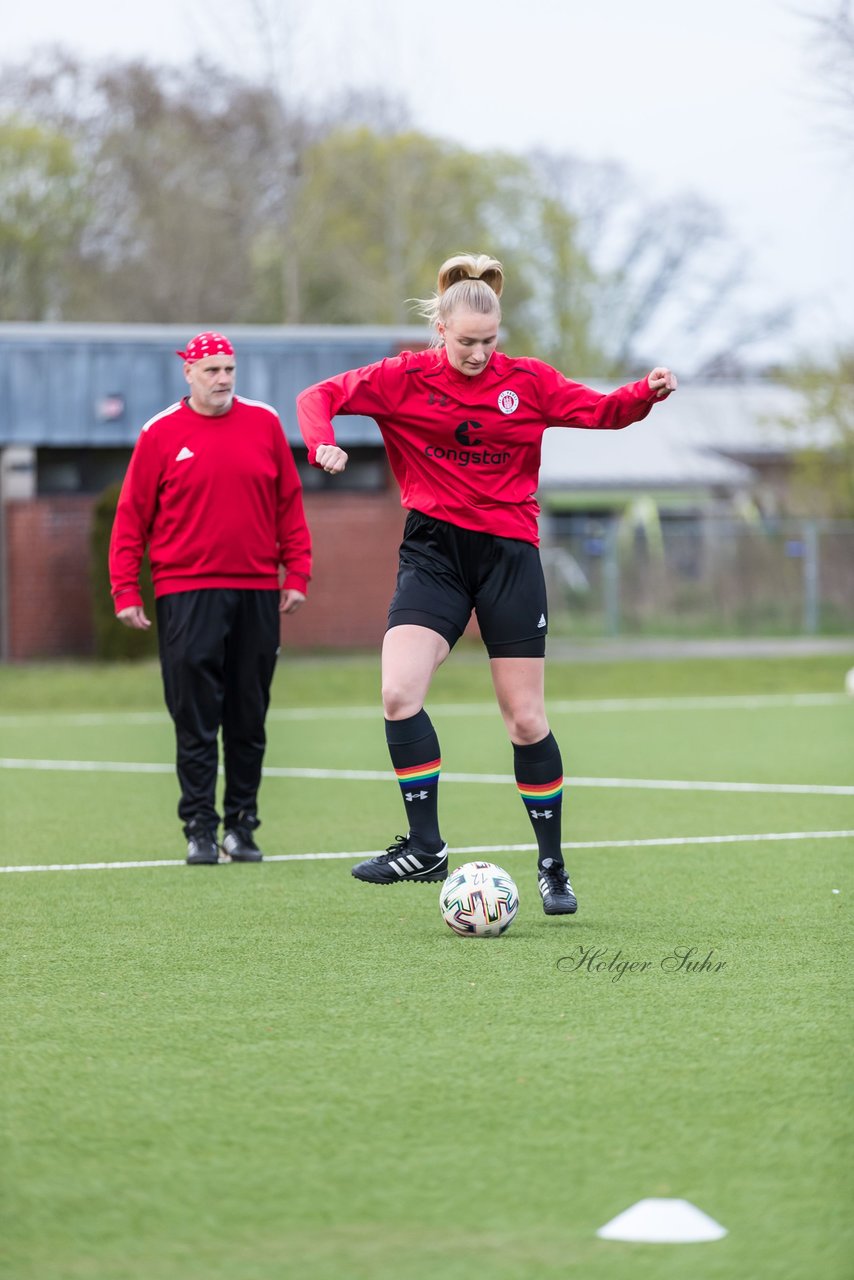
(49, 591)
(355, 537)
(48, 585)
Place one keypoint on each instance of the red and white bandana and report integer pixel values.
(204, 345)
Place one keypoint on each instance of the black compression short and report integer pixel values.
(445, 572)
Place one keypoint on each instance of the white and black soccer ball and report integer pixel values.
(479, 900)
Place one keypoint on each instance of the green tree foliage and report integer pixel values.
(180, 171)
(823, 480)
(562, 308)
(378, 213)
(42, 214)
(210, 198)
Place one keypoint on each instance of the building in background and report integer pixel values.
(73, 399)
(679, 525)
(674, 518)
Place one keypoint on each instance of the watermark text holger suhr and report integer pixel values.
(614, 964)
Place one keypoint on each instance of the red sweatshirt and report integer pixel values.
(218, 502)
(466, 449)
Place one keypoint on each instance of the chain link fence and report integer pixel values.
(698, 577)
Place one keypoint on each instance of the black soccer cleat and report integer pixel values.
(404, 861)
(202, 849)
(556, 891)
(239, 845)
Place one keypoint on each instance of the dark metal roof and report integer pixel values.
(95, 385)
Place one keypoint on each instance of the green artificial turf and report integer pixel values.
(354, 679)
(276, 1071)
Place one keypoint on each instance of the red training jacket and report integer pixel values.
(466, 449)
(218, 502)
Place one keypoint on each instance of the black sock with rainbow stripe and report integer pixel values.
(539, 777)
(414, 750)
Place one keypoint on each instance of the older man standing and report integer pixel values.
(212, 492)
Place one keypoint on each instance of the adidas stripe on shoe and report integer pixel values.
(404, 861)
(239, 845)
(202, 849)
(555, 890)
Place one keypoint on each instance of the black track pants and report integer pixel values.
(218, 650)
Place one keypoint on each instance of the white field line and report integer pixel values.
(746, 702)
(663, 842)
(488, 779)
(723, 702)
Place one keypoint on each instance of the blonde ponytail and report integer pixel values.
(468, 281)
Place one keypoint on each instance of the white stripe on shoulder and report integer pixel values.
(164, 414)
(258, 404)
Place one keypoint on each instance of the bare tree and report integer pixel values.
(831, 49)
(662, 269)
(279, 39)
(823, 478)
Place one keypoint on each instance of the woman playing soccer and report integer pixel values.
(462, 425)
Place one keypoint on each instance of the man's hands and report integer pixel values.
(134, 617)
(290, 601)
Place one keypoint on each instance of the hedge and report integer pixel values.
(112, 640)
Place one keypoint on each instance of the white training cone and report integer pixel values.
(662, 1222)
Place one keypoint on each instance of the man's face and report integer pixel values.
(211, 383)
(470, 340)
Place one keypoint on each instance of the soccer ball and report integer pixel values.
(479, 900)
(849, 682)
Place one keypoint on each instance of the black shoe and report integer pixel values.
(202, 849)
(239, 845)
(404, 860)
(558, 898)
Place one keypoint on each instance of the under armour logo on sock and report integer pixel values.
(417, 795)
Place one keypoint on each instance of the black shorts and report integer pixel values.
(445, 572)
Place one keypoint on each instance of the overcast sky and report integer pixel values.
(720, 98)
